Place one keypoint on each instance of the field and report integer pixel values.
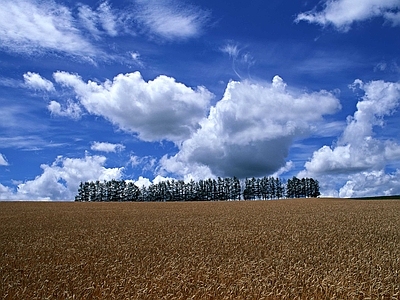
(286, 249)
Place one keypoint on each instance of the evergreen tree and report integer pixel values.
(314, 188)
(279, 188)
(236, 189)
(203, 190)
(247, 189)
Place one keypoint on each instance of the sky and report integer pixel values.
(148, 90)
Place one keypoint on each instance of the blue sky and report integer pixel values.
(148, 90)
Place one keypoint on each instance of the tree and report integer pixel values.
(247, 189)
(314, 188)
(280, 188)
(290, 188)
(131, 192)
(203, 190)
(80, 196)
(236, 189)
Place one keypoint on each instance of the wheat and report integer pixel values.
(288, 249)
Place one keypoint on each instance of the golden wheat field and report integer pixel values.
(286, 249)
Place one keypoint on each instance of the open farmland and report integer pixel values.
(287, 249)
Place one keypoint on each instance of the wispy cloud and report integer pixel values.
(107, 147)
(101, 21)
(17, 120)
(238, 57)
(231, 49)
(3, 160)
(32, 27)
(24, 142)
(233, 52)
(37, 27)
(10, 82)
(170, 19)
(71, 109)
(343, 13)
(135, 56)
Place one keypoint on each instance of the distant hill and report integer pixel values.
(395, 197)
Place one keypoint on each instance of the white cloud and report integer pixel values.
(232, 50)
(5, 193)
(249, 131)
(100, 21)
(36, 27)
(393, 18)
(89, 20)
(156, 110)
(145, 163)
(142, 181)
(357, 152)
(286, 168)
(343, 13)
(178, 165)
(25, 142)
(357, 149)
(135, 56)
(238, 57)
(32, 26)
(170, 19)
(107, 147)
(370, 183)
(107, 19)
(37, 82)
(71, 110)
(3, 160)
(10, 82)
(60, 180)
(134, 160)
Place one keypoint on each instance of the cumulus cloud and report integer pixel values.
(142, 181)
(170, 19)
(375, 182)
(343, 13)
(249, 131)
(357, 149)
(3, 160)
(357, 152)
(160, 109)
(37, 82)
(71, 110)
(5, 193)
(107, 147)
(60, 180)
(33, 26)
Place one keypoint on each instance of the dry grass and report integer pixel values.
(288, 249)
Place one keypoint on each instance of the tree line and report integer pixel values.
(221, 189)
